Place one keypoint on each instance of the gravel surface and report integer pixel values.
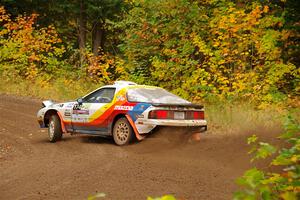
(166, 162)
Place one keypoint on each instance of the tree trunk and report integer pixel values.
(98, 36)
(82, 24)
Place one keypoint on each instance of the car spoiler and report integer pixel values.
(190, 105)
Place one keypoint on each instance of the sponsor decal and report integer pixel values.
(81, 112)
(70, 105)
(123, 107)
(81, 107)
(67, 113)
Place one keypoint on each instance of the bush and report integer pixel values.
(285, 184)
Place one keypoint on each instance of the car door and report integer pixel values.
(89, 117)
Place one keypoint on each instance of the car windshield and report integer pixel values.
(153, 95)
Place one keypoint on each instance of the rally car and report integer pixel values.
(123, 110)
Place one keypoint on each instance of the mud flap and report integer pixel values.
(200, 129)
(137, 135)
(196, 132)
(61, 123)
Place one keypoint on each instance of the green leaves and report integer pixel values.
(264, 150)
(252, 178)
(260, 149)
(285, 184)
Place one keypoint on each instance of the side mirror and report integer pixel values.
(79, 101)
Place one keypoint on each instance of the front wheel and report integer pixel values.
(122, 132)
(54, 129)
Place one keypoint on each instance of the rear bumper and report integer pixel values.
(170, 122)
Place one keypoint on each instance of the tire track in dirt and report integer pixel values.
(166, 162)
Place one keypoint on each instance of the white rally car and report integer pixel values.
(124, 111)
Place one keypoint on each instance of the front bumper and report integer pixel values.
(41, 123)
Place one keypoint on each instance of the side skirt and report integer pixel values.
(100, 133)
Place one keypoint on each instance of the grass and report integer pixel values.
(60, 89)
(226, 118)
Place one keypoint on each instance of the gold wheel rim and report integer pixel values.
(122, 132)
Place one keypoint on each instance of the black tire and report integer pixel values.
(122, 132)
(54, 129)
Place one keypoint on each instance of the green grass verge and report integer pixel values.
(60, 89)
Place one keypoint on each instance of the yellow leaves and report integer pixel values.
(288, 196)
(105, 68)
(221, 62)
(3, 16)
(34, 49)
(241, 46)
(199, 42)
(295, 158)
(170, 52)
(232, 18)
(31, 72)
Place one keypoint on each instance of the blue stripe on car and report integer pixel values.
(138, 109)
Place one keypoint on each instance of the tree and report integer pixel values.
(79, 22)
(222, 48)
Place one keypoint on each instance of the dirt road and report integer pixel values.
(79, 166)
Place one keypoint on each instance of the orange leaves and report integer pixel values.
(256, 13)
(33, 57)
(266, 9)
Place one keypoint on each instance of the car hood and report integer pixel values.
(52, 104)
(47, 103)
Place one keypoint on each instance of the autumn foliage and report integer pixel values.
(27, 50)
(212, 48)
(201, 51)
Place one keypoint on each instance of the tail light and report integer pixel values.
(194, 115)
(169, 114)
(198, 114)
(158, 114)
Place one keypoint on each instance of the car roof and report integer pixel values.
(121, 85)
(126, 84)
(118, 85)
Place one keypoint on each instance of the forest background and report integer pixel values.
(241, 58)
(204, 51)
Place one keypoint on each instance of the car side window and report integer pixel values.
(104, 95)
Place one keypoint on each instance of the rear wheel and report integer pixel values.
(122, 132)
(54, 129)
